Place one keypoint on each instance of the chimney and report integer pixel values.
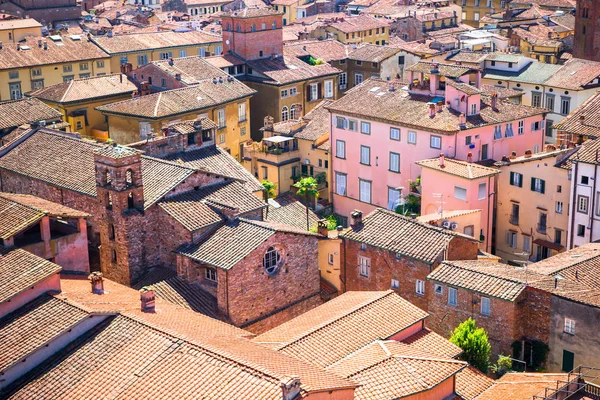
(555, 283)
(462, 120)
(290, 388)
(171, 62)
(322, 227)
(495, 101)
(45, 45)
(147, 299)
(268, 124)
(230, 213)
(581, 117)
(39, 42)
(123, 68)
(356, 220)
(550, 35)
(178, 77)
(431, 110)
(18, 46)
(470, 157)
(550, 147)
(97, 282)
(442, 164)
(440, 106)
(528, 153)
(413, 216)
(513, 155)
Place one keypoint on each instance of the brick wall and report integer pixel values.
(248, 44)
(501, 324)
(284, 315)
(384, 268)
(155, 76)
(461, 248)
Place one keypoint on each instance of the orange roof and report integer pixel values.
(470, 383)
(521, 386)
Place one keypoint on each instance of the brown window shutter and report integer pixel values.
(307, 92)
(319, 90)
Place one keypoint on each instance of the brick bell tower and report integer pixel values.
(120, 193)
(586, 44)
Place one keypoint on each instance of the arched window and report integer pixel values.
(274, 25)
(253, 28)
(293, 112)
(130, 203)
(238, 28)
(113, 255)
(111, 231)
(272, 260)
(264, 26)
(284, 113)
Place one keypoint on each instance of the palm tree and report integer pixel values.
(269, 189)
(307, 187)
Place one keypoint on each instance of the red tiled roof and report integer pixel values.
(584, 120)
(18, 112)
(470, 383)
(86, 89)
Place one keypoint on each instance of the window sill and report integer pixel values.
(242, 120)
(221, 127)
(569, 333)
(395, 172)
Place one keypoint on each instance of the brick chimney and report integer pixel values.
(97, 281)
(322, 227)
(147, 299)
(470, 157)
(440, 106)
(230, 213)
(431, 110)
(442, 163)
(290, 387)
(495, 101)
(356, 219)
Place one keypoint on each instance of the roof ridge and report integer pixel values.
(332, 320)
(69, 87)
(497, 276)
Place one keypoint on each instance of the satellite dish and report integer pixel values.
(227, 42)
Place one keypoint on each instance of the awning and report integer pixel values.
(551, 245)
(277, 139)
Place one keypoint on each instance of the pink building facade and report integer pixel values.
(380, 130)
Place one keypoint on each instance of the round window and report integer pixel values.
(272, 260)
(518, 85)
(499, 82)
(537, 88)
(551, 90)
(566, 92)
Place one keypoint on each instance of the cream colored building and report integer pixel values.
(532, 206)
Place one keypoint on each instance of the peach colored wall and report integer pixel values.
(381, 145)
(52, 283)
(433, 181)
(441, 391)
(411, 330)
(345, 394)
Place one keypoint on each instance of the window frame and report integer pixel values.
(420, 287)
(486, 300)
(431, 140)
(360, 190)
(452, 295)
(392, 137)
(397, 155)
(339, 142)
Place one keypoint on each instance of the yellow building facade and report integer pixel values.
(532, 207)
(140, 49)
(42, 61)
(15, 30)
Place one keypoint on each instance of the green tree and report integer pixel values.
(502, 366)
(307, 187)
(269, 188)
(474, 343)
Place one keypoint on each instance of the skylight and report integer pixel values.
(375, 89)
(56, 38)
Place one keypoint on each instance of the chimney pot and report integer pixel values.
(470, 157)
(462, 120)
(97, 281)
(356, 219)
(528, 153)
(290, 387)
(431, 110)
(442, 164)
(495, 101)
(581, 117)
(513, 155)
(147, 299)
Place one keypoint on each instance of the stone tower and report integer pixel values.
(587, 30)
(120, 193)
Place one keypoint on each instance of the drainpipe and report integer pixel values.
(593, 200)
(490, 216)
(572, 207)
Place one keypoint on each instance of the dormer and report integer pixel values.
(463, 98)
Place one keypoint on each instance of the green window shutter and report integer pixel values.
(543, 186)
(512, 177)
(533, 184)
(520, 180)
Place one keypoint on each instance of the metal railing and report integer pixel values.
(574, 385)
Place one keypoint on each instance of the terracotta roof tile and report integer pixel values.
(16, 217)
(287, 210)
(374, 100)
(521, 386)
(327, 50)
(196, 209)
(45, 206)
(463, 87)
(328, 333)
(86, 89)
(372, 53)
(503, 93)
(33, 325)
(174, 102)
(284, 70)
(234, 240)
(18, 112)
(65, 161)
(392, 370)
(575, 74)
(61, 51)
(430, 342)
(254, 12)
(173, 289)
(584, 120)
(20, 270)
(459, 168)
(447, 70)
(394, 232)
(19, 24)
(217, 161)
(153, 41)
(318, 122)
(358, 23)
(470, 383)
(191, 69)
